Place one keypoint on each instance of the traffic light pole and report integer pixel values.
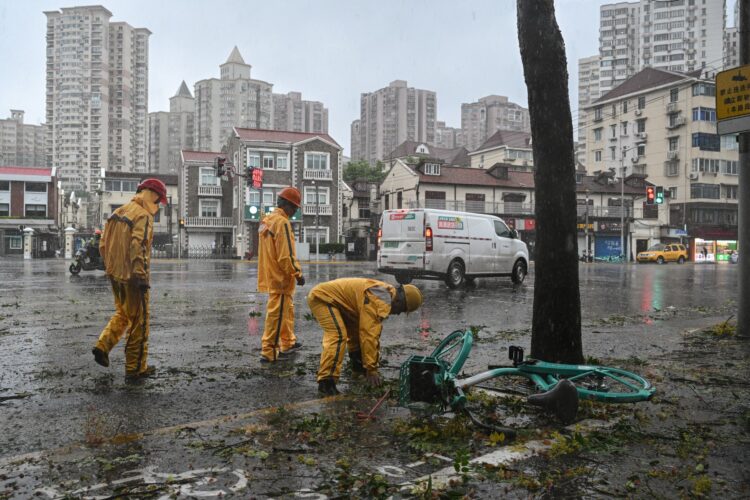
(743, 195)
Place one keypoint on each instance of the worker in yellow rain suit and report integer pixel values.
(278, 271)
(125, 248)
(351, 312)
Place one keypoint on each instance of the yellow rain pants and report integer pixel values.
(131, 315)
(278, 330)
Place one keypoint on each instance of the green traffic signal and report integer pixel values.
(659, 198)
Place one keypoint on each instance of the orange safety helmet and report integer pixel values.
(157, 187)
(291, 194)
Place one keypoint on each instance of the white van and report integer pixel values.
(452, 246)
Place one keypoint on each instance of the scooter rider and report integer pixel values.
(125, 248)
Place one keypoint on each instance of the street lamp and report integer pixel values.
(622, 199)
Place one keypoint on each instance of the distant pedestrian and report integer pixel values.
(705, 253)
(125, 248)
(278, 273)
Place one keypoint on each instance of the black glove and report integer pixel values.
(355, 358)
(301, 281)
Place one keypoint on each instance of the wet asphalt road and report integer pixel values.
(207, 320)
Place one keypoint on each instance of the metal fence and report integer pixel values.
(192, 252)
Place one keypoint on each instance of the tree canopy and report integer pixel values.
(362, 171)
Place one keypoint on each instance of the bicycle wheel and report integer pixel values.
(611, 385)
(454, 349)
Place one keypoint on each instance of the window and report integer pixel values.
(729, 142)
(501, 229)
(253, 159)
(4, 209)
(316, 161)
(674, 143)
(710, 191)
(208, 177)
(15, 242)
(431, 169)
(268, 199)
(730, 192)
(4, 185)
(612, 153)
(253, 197)
(624, 128)
(703, 88)
(704, 114)
(400, 199)
(121, 186)
(364, 208)
(282, 161)
(642, 102)
(640, 150)
(36, 187)
(614, 110)
(613, 131)
(310, 232)
(624, 106)
(209, 208)
(729, 167)
(434, 199)
(640, 126)
(597, 114)
(597, 134)
(268, 162)
(597, 155)
(674, 94)
(35, 211)
(310, 195)
(706, 142)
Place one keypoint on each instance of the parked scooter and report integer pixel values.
(586, 257)
(87, 258)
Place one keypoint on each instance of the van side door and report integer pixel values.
(481, 237)
(503, 248)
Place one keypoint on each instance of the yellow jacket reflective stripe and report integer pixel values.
(125, 246)
(278, 267)
(364, 302)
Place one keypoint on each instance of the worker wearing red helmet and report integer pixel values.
(125, 248)
(278, 274)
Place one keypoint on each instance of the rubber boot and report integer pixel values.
(327, 387)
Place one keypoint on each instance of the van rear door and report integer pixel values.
(402, 240)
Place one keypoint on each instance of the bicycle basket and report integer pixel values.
(417, 380)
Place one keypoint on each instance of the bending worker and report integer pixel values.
(278, 271)
(351, 312)
(125, 248)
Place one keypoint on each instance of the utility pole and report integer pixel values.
(586, 228)
(743, 203)
(622, 201)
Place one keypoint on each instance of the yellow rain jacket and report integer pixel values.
(278, 267)
(125, 246)
(362, 302)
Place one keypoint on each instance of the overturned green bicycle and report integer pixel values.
(434, 379)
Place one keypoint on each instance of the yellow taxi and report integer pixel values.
(661, 253)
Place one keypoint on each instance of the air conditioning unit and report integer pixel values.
(672, 155)
(638, 112)
(671, 107)
(693, 176)
(643, 136)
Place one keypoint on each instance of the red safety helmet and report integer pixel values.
(98, 232)
(157, 187)
(291, 194)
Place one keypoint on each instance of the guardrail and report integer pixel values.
(209, 191)
(317, 175)
(208, 221)
(312, 209)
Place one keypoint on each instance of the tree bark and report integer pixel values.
(556, 323)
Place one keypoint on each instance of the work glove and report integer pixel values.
(301, 280)
(373, 379)
(141, 283)
(355, 359)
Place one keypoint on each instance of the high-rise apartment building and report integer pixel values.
(731, 40)
(293, 114)
(681, 35)
(97, 95)
(448, 137)
(21, 144)
(158, 142)
(392, 115)
(481, 119)
(233, 100)
(588, 92)
(181, 126)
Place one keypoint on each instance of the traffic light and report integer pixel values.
(182, 223)
(254, 177)
(219, 163)
(650, 195)
(659, 197)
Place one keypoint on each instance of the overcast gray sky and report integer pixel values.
(330, 50)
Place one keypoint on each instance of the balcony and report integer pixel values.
(672, 107)
(208, 222)
(604, 212)
(672, 155)
(479, 207)
(310, 209)
(209, 191)
(677, 122)
(317, 175)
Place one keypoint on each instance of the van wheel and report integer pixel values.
(519, 272)
(403, 279)
(681, 260)
(456, 276)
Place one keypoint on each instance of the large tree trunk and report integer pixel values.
(556, 324)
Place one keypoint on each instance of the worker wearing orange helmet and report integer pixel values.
(351, 312)
(125, 248)
(278, 274)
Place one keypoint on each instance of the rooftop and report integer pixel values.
(508, 138)
(281, 136)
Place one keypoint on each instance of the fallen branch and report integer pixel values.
(21, 395)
